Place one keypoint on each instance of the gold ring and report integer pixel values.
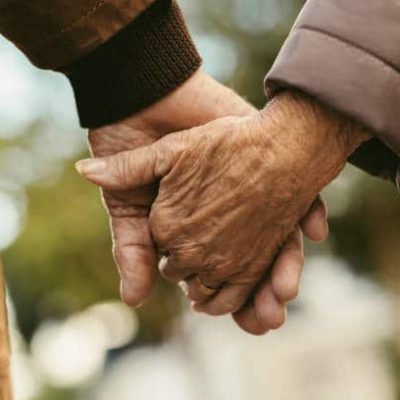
(207, 291)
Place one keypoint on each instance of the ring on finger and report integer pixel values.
(204, 289)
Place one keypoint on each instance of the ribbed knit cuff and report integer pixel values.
(141, 64)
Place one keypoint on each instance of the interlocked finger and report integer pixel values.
(266, 310)
(135, 256)
(229, 299)
(272, 317)
(288, 267)
(315, 224)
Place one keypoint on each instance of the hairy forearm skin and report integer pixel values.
(320, 139)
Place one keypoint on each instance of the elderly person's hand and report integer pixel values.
(208, 215)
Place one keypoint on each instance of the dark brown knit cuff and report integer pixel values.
(141, 64)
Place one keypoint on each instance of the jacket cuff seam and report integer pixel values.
(67, 43)
(63, 30)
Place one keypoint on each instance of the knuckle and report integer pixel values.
(225, 269)
(128, 211)
(162, 227)
(121, 169)
(286, 289)
(229, 123)
(189, 253)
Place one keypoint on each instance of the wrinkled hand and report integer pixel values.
(199, 100)
(231, 193)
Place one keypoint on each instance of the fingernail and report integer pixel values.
(91, 166)
(184, 287)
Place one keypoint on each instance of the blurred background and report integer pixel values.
(72, 338)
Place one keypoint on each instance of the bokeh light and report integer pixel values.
(10, 220)
(71, 352)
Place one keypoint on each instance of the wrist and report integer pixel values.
(196, 102)
(172, 113)
(181, 109)
(320, 126)
(319, 139)
(142, 63)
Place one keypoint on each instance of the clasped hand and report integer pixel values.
(232, 196)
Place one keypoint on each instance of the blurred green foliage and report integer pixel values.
(62, 261)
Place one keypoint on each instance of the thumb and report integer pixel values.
(130, 169)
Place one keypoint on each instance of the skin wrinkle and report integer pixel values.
(254, 262)
(258, 315)
(231, 270)
(218, 226)
(193, 153)
(181, 184)
(139, 232)
(222, 205)
(248, 185)
(142, 131)
(309, 114)
(133, 211)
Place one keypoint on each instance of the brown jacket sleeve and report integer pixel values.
(119, 55)
(53, 33)
(346, 54)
